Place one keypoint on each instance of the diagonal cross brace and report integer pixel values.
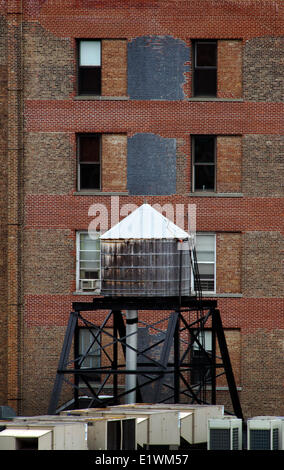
(164, 359)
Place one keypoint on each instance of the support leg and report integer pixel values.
(227, 364)
(62, 361)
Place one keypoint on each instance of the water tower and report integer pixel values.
(147, 264)
(144, 255)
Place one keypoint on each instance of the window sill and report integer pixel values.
(213, 194)
(100, 193)
(101, 98)
(209, 294)
(86, 293)
(213, 98)
(220, 389)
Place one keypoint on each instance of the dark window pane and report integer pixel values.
(201, 369)
(90, 148)
(205, 82)
(204, 149)
(206, 54)
(90, 80)
(89, 176)
(204, 177)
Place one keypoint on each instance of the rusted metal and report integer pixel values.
(152, 267)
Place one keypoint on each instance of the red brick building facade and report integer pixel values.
(147, 115)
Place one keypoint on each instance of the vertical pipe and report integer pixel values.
(213, 360)
(131, 354)
(115, 355)
(177, 361)
(76, 365)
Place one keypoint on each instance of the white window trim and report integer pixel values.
(78, 233)
(206, 262)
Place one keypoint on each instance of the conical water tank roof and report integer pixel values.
(142, 256)
(145, 223)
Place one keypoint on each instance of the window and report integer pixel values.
(205, 253)
(88, 262)
(89, 70)
(204, 162)
(199, 359)
(89, 161)
(205, 68)
(90, 350)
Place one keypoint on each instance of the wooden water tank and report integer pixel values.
(143, 256)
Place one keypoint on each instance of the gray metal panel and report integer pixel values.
(145, 268)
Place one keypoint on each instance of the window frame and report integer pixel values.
(194, 164)
(78, 137)
(207, 292)
(208, 338)
(203, 67)
(79, 67)
(78, 260)
(81, 351)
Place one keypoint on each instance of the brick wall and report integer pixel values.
(114, 162)
(229, 81)
(49, 163)
(114, 68)
(263, 78)
(263, 165)
(47, 267)
(262, 272)
(228, 262)
(3, 208)
(49, 66)
(229, 164)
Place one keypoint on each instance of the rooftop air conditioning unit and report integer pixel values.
(224, 433)
(26, 439)
(43, 435)
(193, 419)
(264, 433)
(158, 427)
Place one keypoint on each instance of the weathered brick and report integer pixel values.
(114, 162)
(228, 262)
(114, 67)
(229, 81)
(262, 169)
(263, 69)
(229, 164)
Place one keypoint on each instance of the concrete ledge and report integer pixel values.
(209, 194)
(99, 193)
(101, 98)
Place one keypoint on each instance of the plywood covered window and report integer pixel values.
(89, 73)
(205, 68)
(89, 161)
(204, 162)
